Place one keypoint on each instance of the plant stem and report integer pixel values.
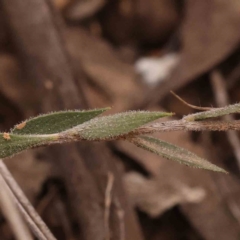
(183, 125)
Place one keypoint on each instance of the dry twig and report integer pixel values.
(11, 212)
(35, 222)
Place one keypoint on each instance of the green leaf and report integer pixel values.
(11, 144)
(215, 112)
(172, 152)
(55, 122)
(44, 130)
(110, 127)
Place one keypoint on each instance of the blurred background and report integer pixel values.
(126, 54)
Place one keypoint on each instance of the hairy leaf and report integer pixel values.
(11, 144)
(55, 122)
(110, 127)
(172, 152)
(215, 112)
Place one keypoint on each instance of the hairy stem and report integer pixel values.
(182, 125)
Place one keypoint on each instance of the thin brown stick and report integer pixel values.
(222, 99)
(188, 104)
(11, 212)
(108, 200)
(34, 228)
(31, 216)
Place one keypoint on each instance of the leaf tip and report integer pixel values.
(162, 114)
(106, 108)
(221, 170)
